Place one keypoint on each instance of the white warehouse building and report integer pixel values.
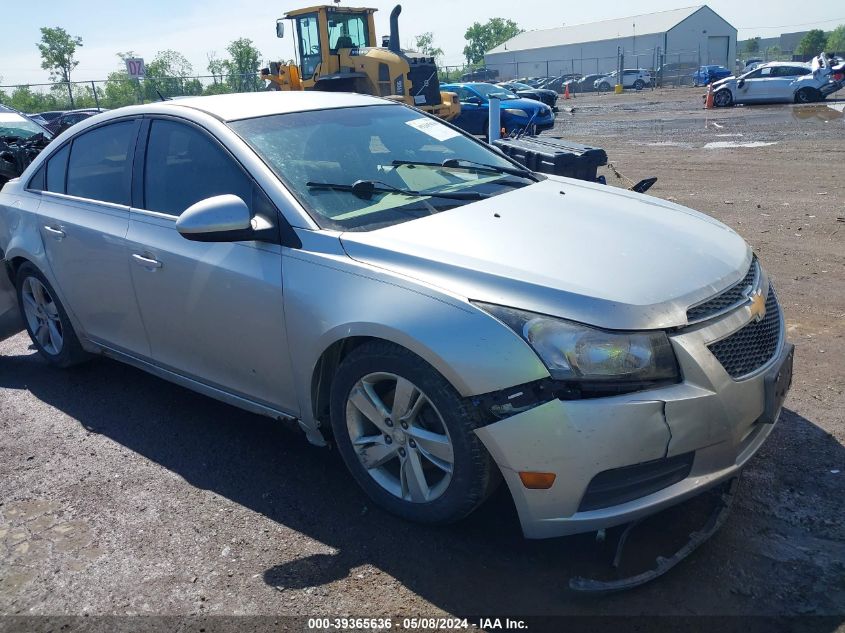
(691, 36)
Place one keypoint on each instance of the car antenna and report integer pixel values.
(161, 96)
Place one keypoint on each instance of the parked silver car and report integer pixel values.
(445, 317)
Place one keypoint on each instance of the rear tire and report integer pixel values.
(46, 320)
(639, 84)
(723, 99)
(426, 464)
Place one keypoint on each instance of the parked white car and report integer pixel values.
(637, 78)
(781, 82)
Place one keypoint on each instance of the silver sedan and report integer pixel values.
(446, 318)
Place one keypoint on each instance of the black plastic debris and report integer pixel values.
(17, 153)
(556, 156)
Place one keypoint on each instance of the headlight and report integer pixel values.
(516, 112)
(575, 352)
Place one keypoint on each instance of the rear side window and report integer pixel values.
(57, 169)
(184, 166)
(100, 164)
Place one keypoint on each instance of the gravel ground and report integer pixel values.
(124, 494)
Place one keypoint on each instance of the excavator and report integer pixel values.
(337, 51)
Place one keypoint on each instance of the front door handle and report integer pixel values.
(146, 262)
(57, 233)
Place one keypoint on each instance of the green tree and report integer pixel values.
(752, 46)
(242, 66)
(120, 89)
(58, 49)
(773, 52)
(812, 43)
(836, 40)
(166, 74)
(483, 37)
(23, 99)
(425, 45)
(216, 67)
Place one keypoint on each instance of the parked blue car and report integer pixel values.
(516, 113)
(708, 74)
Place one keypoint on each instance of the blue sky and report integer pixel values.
(195, 28)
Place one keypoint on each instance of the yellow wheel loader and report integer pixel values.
(337, 51)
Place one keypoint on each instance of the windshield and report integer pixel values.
(520, 86)
(346, 145)
(347, 30)
(13, 124)
(490, 90)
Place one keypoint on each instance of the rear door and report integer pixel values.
(83, 219)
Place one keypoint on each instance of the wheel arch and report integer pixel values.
(339, 344)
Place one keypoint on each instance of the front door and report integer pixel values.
(213, 311)
(474, 112)
(753, 86)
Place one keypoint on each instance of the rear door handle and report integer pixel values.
(57, 233)
(146, 262)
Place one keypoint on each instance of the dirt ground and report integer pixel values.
(124, 494)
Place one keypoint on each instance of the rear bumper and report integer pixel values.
(10, 314)
(710, 419)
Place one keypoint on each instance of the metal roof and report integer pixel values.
(645, 24)
(245, 105)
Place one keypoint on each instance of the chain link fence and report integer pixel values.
(121, 90)
(671, 69)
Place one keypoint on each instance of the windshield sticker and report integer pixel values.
(434, 129)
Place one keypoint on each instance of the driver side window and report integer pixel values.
(465, 94)
(184, 165)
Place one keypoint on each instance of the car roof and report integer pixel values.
(772, 64)
(248, 105)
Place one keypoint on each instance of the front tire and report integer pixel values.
(723, 99)
(408, 437)
(807, 95)
(46, 320)
(604, 87)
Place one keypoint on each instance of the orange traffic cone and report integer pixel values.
(566, 92)
(708, 102)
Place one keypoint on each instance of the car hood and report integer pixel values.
(581, 251)
(523, 103)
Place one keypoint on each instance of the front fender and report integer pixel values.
(328, 299)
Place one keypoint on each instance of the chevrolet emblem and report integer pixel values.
(758, 306)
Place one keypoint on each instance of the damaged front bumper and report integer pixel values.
(618, 459)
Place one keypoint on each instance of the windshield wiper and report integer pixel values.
(365, 189)
(469, 164)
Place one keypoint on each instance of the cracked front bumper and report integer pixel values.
(709, 414)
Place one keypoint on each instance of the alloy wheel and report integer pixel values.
(399, 437)
(42, 315)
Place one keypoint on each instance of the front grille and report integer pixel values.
(612, 487)
(424, 84)
(751, 347)
(730, 297)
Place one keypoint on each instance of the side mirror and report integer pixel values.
(474, 100)
(740, 83)
(280, 27)
(223, 218)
